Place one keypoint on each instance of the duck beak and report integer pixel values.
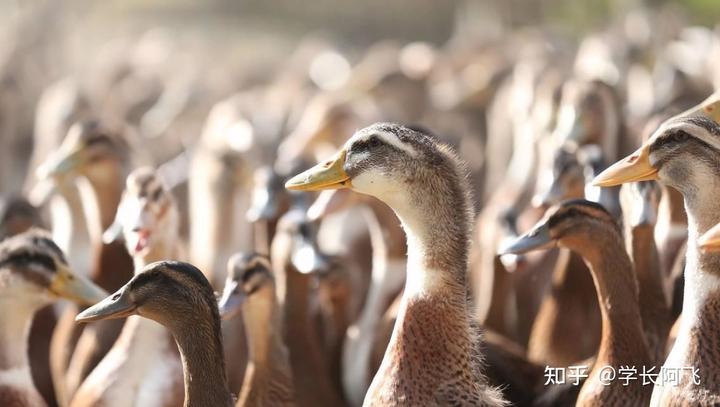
(264, 206)
(61, 163)
(113, 233)
(328, 175)
(76, 288)
(710, 241)
(231, 301)
(119, 305)
(537, 239)
(635, 167)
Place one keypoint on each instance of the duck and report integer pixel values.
(143, 366)
(570, 303)
(178, 296)
(432, 356)
(369, 334)
(269, 200)
(510, 301)
(250, 291)
(640, 202)
(95, 156)
(220, 166)
(35, 273)
(589, 229)
(18, 215)
(682, 153)
(296, 262)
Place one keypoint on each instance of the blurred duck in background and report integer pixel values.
(96, 158)
(34, 273)
(143, 366)
(588, 229)
(250, 291)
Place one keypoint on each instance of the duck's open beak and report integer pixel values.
(76, 288)
(537, 239)
(119, 305)
(328, 175)
(710, 241)
(635, 167)
(231, 301)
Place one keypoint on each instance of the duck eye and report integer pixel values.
(373, 142)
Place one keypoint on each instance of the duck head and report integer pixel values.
(568, 224)
(248, 276)
(34, 269)
(168, 292)
(147, 215)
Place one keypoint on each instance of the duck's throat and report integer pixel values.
(617, 291)
(434, 320)
(438, 236)
(203, 364)
(15, 324)
(700, 323)
(100, 193)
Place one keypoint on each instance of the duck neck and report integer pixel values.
(14, 330)
(267, 352)
(701, 296)
(617, 291)
(199, 341)
(434, 305)
(641, 245)
(437, 251)
(101, 190)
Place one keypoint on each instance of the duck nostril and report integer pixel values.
(116, 296)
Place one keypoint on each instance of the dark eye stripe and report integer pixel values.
(372, 142)
(677, 137)
(25, 259)
(156, 194)
(98, 139)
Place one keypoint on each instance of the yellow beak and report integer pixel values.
(328, 175)
(710, 241)
(635, 167)
(76, 288)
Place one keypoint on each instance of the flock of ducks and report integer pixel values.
(562, 213)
